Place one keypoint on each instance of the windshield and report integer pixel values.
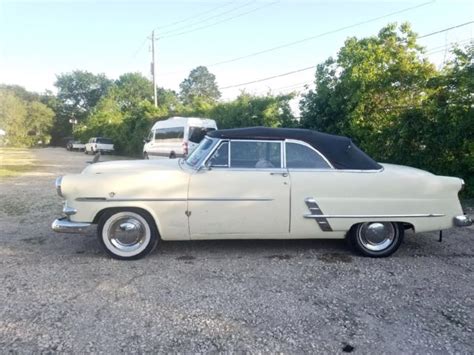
(196, 134)
(200, 152)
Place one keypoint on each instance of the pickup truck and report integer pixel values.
(99, 144)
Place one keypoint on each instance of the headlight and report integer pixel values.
(59, 179)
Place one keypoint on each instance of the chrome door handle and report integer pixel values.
(282, 174)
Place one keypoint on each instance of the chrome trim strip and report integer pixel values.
(227, 199)
(90, 199)
(232, 199)
(302, 170)
(317, 214)
(374, 216)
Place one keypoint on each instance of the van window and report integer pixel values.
(104, 140)
(196, 134)
(169, 133)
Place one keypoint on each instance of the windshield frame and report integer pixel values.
(202, 159)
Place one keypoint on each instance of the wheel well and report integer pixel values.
(120, 209)
(405, 225)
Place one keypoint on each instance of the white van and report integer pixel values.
(176, 136)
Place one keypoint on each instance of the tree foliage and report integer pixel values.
(26, 123)
(249, 110)
(199, 88)
(383, 92)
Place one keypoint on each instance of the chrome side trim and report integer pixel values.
(374, 216)
(462, 221)
(63, 225)
(317, 214)
(103, 199)
(232, 199)
(90, 199)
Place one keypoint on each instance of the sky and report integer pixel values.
(40, 39)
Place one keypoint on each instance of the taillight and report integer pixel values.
(185, 148)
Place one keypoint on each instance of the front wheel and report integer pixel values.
(127, 234)
(376, 239)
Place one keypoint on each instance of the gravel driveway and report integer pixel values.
(61, 293)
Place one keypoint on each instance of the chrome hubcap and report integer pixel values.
(376, 236)
(126, 233)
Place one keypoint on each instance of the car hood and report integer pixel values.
(128, 166)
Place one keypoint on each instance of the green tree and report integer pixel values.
(12, 118)
(78, 93)
(362, 92)
(39, 121)
(249, 110)
(132, 88)
(199, 88)
(26, 122)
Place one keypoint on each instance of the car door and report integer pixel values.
(313, 182)
(244, 192)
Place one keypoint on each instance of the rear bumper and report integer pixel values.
(462, 221)
(63, 225)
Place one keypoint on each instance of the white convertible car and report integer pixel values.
(262, 183)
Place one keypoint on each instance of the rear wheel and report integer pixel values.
(376, 239)
(145, 156)
(127, 234)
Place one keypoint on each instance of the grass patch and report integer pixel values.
(15, 161)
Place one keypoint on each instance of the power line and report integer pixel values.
(219, 22)
(314, 66)
(135, 53)
(446, 29)
(206, 19)
(194, 16)
(269, 78)
(290, 44)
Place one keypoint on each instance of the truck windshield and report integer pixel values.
(200, 152)
(196, 134)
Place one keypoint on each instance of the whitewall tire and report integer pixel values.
(127, 234)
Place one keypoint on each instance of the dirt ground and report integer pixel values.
(62, 293)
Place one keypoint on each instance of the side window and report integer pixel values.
(175, 133)
(220, 158)
(259, 155)
(300, 156)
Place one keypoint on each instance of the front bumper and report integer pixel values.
(462, 221)
(63, 225)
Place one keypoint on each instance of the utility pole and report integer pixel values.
(153, 71)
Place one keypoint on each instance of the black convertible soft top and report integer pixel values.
(339, 150)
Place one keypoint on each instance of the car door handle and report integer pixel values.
(282, 174)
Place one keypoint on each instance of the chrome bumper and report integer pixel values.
(63, 225)
(462, 221)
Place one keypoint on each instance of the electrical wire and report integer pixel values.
(194, 16)
(268, 78)
(446, 29)
(219, 22)
(290, 44)
(176, 30)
